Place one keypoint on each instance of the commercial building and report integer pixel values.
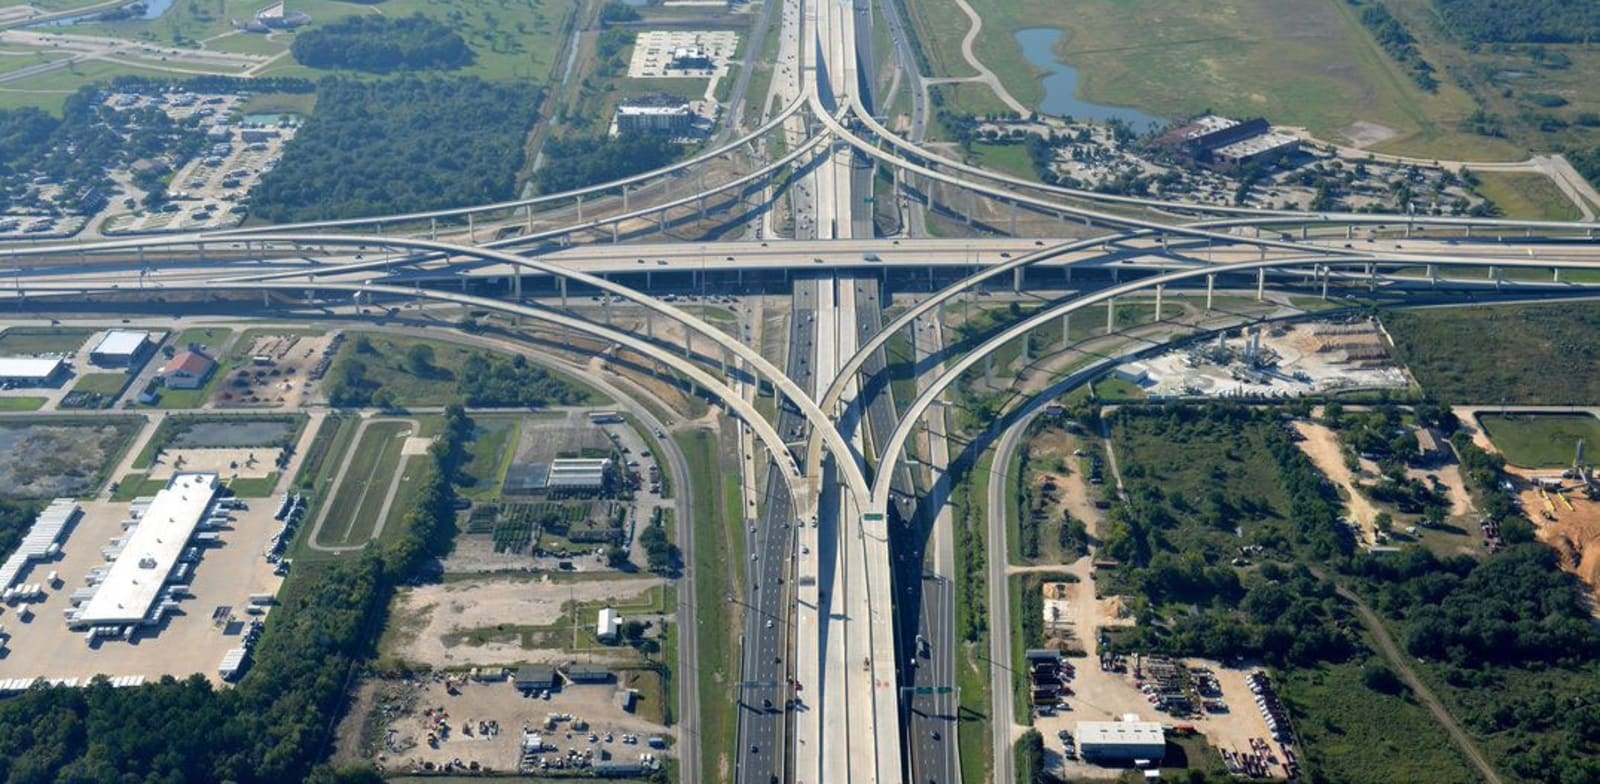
(691, 58)
(32, 371)
(578, 474)
(187, 370)
(655, 119)
(588, 673)
(608, 626)
(148, 553)
(535, 677)
(1266, 147)
(1129, 741)
(121, 348)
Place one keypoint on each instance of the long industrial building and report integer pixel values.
(1125, 742)
(43, 539)
(149, 552)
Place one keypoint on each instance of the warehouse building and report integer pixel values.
(1126, 742)
(148, 553)
(608, 626)
(32, 371)
(578, 474)
(42, 541)
(655, 119)
(121, 348)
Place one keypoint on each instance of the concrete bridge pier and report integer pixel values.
(563, 283)
(1211, 284)
(1016, 280)
(1111, 315)
(433, 228)
(472, 230)
(1160, 289)
(1066, 329)
(1261, 284)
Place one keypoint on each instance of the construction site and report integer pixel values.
(1273, 361)
(1564, 506)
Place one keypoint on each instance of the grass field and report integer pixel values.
(19, 341)
(1352, 733)
(387, 366)
(1296, 62)
(208, 339)
(1010, 159)
(1527, 195)
(107, 384)
(1516, 354)
(22, 403)
(718, 560)
(136, 485)
(490, 456)
(49, 91)
(1540, 440)
(353, 510)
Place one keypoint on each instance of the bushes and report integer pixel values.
(379, 44)
(579, 162)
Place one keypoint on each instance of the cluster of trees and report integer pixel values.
(662, 555)
(77, 150)
(1283, 615)
(400, 145)
(579, 161)
(487, 380)
(272, 727)
(1398, 42)
(1521, 21)
(380, 44)
(349, 386)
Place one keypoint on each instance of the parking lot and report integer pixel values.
(187, 642)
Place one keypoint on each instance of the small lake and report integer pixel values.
(147, 9)
(1061, 85)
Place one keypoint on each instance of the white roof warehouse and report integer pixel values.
(150, 551)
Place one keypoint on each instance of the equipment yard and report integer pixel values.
(1280, 361)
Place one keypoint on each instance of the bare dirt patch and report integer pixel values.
(1321, 445)
(1570, 524)
(428, 617)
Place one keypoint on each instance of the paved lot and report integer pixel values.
(187, 643)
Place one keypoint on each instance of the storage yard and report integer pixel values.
(1273, 361)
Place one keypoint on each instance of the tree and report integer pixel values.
(419, 359)
(633, 631)
(1377, 676)
(1384, 522)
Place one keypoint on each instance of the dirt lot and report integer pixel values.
(277, 371)
(186, 643)
(1574, 533)
(1322, 445)
(425, 616)
(227, 463)
(393, 719)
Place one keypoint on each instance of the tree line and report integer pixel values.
(580, 161)
(1521, 21)
(382, 44)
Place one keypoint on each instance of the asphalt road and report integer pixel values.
(764, 691)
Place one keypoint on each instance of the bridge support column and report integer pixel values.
(972, 205)
(1027, 343)
(580, 209)
(200, 250)
(563, 284)
(1349, 232)
(1305, 231)
(649, 323)
(1469, 231)
(1116, 275)
(1326, 274)
(624, 198)
(1160, 290)
(1014, 210)
(266, 299)
(1016, 280)
(1068, 279)
(1261, 284)
(988, 368)
(433, 228)
(1163, 242)
(1433, 274)
(661, 221)
(472, 230)
(1211, 284)
(613, 232)
(1111, 315)
(141, 255)
(527, 213)
(516, 287)
(1408, 230)
(1066, 329)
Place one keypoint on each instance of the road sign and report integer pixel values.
(923, 691)
(869, 200)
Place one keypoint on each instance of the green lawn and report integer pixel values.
(106, 384)
(22, 403)
(254, 487)
(18, 341)
(209, 340)
(1462, 355)
(718, 561)
(1540, 440)
(1527, 195)
(353, 509)
(137, 485)
(49, 91)
(1010, 159)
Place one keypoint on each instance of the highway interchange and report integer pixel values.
(830, 663)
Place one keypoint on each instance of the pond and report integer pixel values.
(1061, 85)
(146, 9)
